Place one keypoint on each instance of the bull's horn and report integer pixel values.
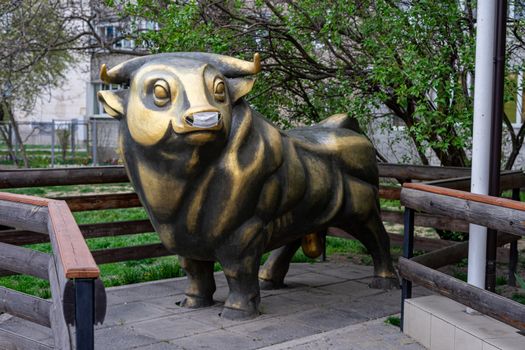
(229, 66)
(121, 72)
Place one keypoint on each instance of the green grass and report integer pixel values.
(393, 320)
(519, 297)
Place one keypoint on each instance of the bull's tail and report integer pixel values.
(341, 120)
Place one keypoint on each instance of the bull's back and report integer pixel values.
(354, 154)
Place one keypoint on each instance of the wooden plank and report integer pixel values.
(116, 228)
(420, 243)
(20, 342)
(453, 254)
(68, 244)
(66, 176)
(23, 216)
(497, 201)
(490, 304)
(62, 333)
(103, 229)
(22, 198)
(427, 220)
(420, 172)
(25, 306)
(102, 201)
(389, 192)
(493, 216)
(24, 261)
(105, 256)
(508, 180)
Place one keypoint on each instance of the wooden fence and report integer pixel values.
(117, 174)
(20, 234)
(500, 214)
(78, 296)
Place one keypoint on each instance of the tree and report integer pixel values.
(35, 36)
(407, 60)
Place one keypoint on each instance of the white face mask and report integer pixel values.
(205, 119)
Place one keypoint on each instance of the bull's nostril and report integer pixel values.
(189, 120)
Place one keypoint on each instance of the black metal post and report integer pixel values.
(85, 313)
(497, 119)
(408, 252)
(323, 255)
(513, 253)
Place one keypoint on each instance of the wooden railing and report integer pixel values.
(78, 295)
(117, 174)
(22, 234)
(500, 214)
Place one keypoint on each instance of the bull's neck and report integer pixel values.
(199, 159)
(241, 128)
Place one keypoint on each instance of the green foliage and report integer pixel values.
(501, 280)
(324, 57)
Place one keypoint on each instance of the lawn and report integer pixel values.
(133, 271)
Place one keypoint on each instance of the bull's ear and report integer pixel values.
(239, 87)
(113, 102)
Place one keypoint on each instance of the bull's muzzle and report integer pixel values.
(204, 120)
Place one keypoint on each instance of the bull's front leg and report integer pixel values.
(201, 283)
(240, 260)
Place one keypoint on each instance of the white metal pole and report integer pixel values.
(484, 77)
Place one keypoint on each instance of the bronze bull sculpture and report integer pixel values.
(221, 183)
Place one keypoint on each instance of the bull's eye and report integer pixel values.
(161, 91)
(219, 90)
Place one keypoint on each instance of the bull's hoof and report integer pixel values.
(192, 302)
(385, 283)
(239, 314)
(270, 285)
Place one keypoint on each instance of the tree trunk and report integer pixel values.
(9, 113)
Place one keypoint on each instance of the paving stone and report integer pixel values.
(352, 289)
(219, 339)
(120, 338)
(131, 312)
(372, 335)
(298, 268)
(350, 272)
(141, 292)
(160, 346)
(274, 330)
(325, 318)
(373, 306)
(169, 328)
(313, 279)
(28, 329)
(211, 316)
(289, 287)
(276, 305)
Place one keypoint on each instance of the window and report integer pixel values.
(113, 33)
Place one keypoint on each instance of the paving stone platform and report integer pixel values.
(325, 306)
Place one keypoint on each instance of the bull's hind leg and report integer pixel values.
(201, 283)
(366, 225)
(374, 237)
(272, 273)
